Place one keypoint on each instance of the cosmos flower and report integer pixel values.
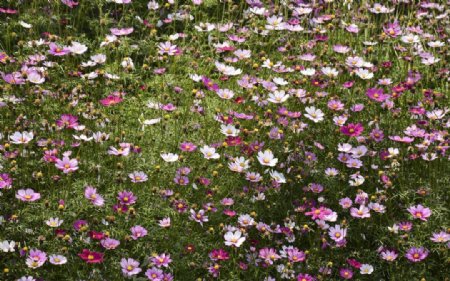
(416, 254)
(234, 239)
(267, 158)
(129, 267)
(67, 165)
(21, 137)
(91, 257)
(420, 212)
(27, 195)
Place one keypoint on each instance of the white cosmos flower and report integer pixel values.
(364, 73)
(366, 269)
(21, 138)
(280, 81)
(25, 25)
(78, 48)
(229, 130)
(99, 58)
(278, 177)
(329, 71)
(35, 77)
(209, 152)
(234, 238)
(278, 97)
(308, 71)
(410, 38)
(54, 222)
(314, 114)
(169, 157)
(151, 121)
(267, 158)
(225, 94)
(6, 246)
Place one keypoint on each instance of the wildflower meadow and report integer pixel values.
(224, 140)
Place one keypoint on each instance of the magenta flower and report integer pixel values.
(392, 29)
(91, 257)
(111, 100)
(130, 267)
(319, 213)
(126, 198)
(416, 254)
(198, 217)
(305, 277)
(5, 181)
(376, 94)
(420, 212)
(28, 195)
(346, 273)
(269, 255)
(57, 50)
(352, 130)
(219, 255)
(67, 121)
(188, 146)
(162, 260)
(154, 274)
(67, 165)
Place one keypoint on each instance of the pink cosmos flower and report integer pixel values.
(376, 94)
(318, 213)
(67, 165)
(441, 237)
(420, 212)
(28, 195)
(138, 232)
(162, 260)
(130, 267)
(361, 212)
(154, 274)
(416, 254)
(5, 181)
(126, 198)
(121, 31)
(57, 50)
(137, 177)
(91, 194)
(111, 100)
(388, 255)
(188, 146)
(36, 258)
(269, 255)
(109, 243)
(346, 273)
(67, 121)
(337, 233)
